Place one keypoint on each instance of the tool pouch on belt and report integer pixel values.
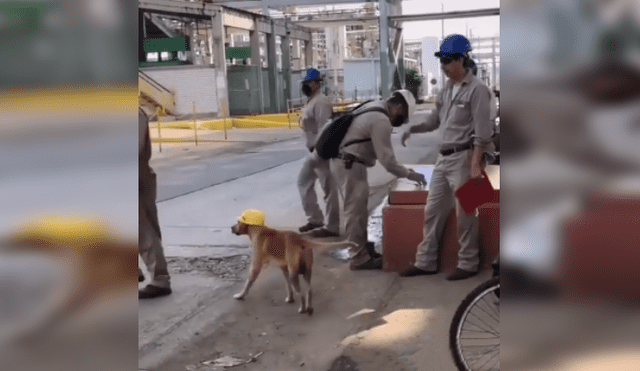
(348, 160)
(348, 163)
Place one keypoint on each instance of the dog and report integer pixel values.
(287, 249)
(95, 265)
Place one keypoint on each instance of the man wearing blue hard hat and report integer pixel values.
(316, 113)
(463, 109)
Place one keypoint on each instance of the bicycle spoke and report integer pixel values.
(491, 329)
(492, 308)
(494, 363)
(497, 315)
(472, 364)
(484, 338)
(485, 363)
(468, 320)
(492, 346)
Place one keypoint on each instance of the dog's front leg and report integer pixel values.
(289, 298)
(253, 274)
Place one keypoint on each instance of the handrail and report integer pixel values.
(156, 92)
(153, 82)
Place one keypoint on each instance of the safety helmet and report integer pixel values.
(63, 230)
(312, 75)
(453, 44)
(252, 217)
(409, 99)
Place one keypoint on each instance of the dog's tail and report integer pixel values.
(316, 244)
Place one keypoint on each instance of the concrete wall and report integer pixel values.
(190, 84)
(363, 74)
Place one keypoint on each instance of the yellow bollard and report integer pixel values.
(159, 136)
(224, 127)
(195, 122)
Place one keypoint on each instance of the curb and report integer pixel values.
(246, 122)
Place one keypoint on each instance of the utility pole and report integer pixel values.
(442, 39)
(442, 4)
(493, 56)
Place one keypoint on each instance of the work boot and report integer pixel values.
(371, 263)
(151, 291)
(371, 249)
(309, 227)
(413, 271)
(323, 232)
(460, 274)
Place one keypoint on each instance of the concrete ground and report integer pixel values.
(368, 320)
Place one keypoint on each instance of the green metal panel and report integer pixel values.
(282, 95)
(244, 89)
(241, 52)
(23, 11)
(166, 44)
(265, 91)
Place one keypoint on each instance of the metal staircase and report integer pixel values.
(155, 96)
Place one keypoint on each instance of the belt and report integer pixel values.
(464, 147)
(349, 158)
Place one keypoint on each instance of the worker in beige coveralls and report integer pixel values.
(370, 135)
(462, 108)
(314, 116)
(149, 237)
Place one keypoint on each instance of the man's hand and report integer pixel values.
(476, 170)
(404, 138)
(417, 177)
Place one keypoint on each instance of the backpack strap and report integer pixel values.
(372, 109)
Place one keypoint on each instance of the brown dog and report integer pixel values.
(95, 264)
(289, 250)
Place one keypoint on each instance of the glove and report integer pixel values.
(417, 177)
(404, 138)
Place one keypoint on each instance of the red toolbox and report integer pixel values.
(403, 219)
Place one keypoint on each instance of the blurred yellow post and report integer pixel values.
(195, 122)
(159, 136)
(224, 127)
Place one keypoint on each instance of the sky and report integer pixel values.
(479, 26)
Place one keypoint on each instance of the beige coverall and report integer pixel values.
(466, 119)
(315, 115)
(353, 184)
(149, 237)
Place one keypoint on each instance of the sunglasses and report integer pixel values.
(445, 60)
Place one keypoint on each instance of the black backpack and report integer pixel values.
(328, 142)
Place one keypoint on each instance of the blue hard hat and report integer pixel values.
(312, 74)
(453, 44)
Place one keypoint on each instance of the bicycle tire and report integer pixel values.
(456, 324)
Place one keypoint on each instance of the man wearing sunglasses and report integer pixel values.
(317, 111)
(462, 108)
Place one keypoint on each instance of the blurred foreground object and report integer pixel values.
(90, 275)
(570, 172)
(68, 97)
(96, 263)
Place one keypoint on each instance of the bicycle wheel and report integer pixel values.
(474, 336)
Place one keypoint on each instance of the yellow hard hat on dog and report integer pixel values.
(252, 217)
(64, 230)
